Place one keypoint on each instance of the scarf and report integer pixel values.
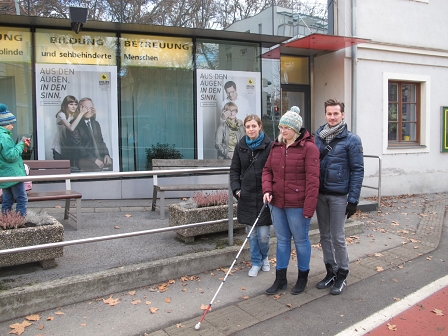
(252, 144)
(329, 133)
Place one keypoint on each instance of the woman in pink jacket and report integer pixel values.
(290, 184)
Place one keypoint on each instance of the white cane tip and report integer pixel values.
(198, 326)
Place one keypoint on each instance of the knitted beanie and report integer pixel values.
(295, 109)
(293, 120)
(6, 117)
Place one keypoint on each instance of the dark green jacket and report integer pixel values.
(11, 163)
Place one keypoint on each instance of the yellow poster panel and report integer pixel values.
(444, 129)
(15, 45)
(66, 47)
(156, 51)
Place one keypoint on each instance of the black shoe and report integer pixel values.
(302, 280)
(279, 283)
(329, 278)
(340, 282)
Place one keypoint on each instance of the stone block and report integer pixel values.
(29, 236)
(182, 216)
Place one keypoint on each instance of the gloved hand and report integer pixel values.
(351, 209)
(27, 143)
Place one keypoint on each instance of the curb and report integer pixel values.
(22, 301)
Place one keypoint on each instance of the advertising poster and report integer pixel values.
(76, 98)
(224, 99)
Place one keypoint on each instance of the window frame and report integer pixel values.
(400, 103)
(422, 145)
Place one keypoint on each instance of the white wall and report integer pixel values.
(409, 41)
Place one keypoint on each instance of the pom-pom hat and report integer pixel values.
(292, 120)
(6, 117)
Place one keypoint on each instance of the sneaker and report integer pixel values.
(266, 267)
(253, 272)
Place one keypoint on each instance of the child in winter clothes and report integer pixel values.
(11, 164)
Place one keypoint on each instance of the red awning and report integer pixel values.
(314, 44)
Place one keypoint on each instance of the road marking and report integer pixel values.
(394, 309)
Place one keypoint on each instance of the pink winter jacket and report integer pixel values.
(292, 175)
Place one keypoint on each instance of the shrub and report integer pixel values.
(161, 151)
(11, 220)
(203, 199)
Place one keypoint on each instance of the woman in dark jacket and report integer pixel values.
(246, 168)
(291, 185)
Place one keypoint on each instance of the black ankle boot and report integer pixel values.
(302, 280)
(329, 278)
(279, 283)
(340, 283)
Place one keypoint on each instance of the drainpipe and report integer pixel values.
(354, 87)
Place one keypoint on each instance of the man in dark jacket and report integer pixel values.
(89, 149)
(341, 175)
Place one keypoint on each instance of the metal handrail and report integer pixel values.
(379, 178)
(102, 238)
(87, 176)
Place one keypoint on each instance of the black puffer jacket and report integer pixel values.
(250, 201)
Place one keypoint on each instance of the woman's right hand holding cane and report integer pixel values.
(267, 197)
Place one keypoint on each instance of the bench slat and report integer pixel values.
(53, 195)
(48, 164)
(166, 164)
(188, 187)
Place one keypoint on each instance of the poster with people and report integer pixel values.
(78, 116)
(224, 99)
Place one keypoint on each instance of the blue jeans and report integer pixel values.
(17, 192)
(259, 243)
(331, 219)
(289, 222)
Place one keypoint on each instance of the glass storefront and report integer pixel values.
(16, 88)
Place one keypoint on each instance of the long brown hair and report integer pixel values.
(64, 105)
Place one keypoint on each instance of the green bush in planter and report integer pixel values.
(161, 151)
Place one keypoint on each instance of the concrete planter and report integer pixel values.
(181, 216)
(28, 236)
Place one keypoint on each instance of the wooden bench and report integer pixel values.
(55, 167)
(170, 164)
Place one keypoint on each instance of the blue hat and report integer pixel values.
(6, 117)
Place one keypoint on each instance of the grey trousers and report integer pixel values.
(331, 219)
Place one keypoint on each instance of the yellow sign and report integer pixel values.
(156, 51)
(66, 47)
(15, 45)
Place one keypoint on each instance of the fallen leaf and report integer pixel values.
(59, 313)
(40, 327)
(83, 324)
(276, 296)
(415, 247)
(148, 302)
(128, 215)
(179, 325)
(395, 280)
(110, 301)
(246, 297)
(289, 305)
(50, 318)
(212, 274)
(379, 269)
(243, 288)
(400, 266)
(132, 292)
(34, 317)
(167, 300)
(392, 327)
(134, 302)
(116, 227)
(172, 281)
(378, 255)
(57, 206)
(19, 328)
(153, 310)
(397, 299)
(204, 307)
(438, 312)
(184, 289)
